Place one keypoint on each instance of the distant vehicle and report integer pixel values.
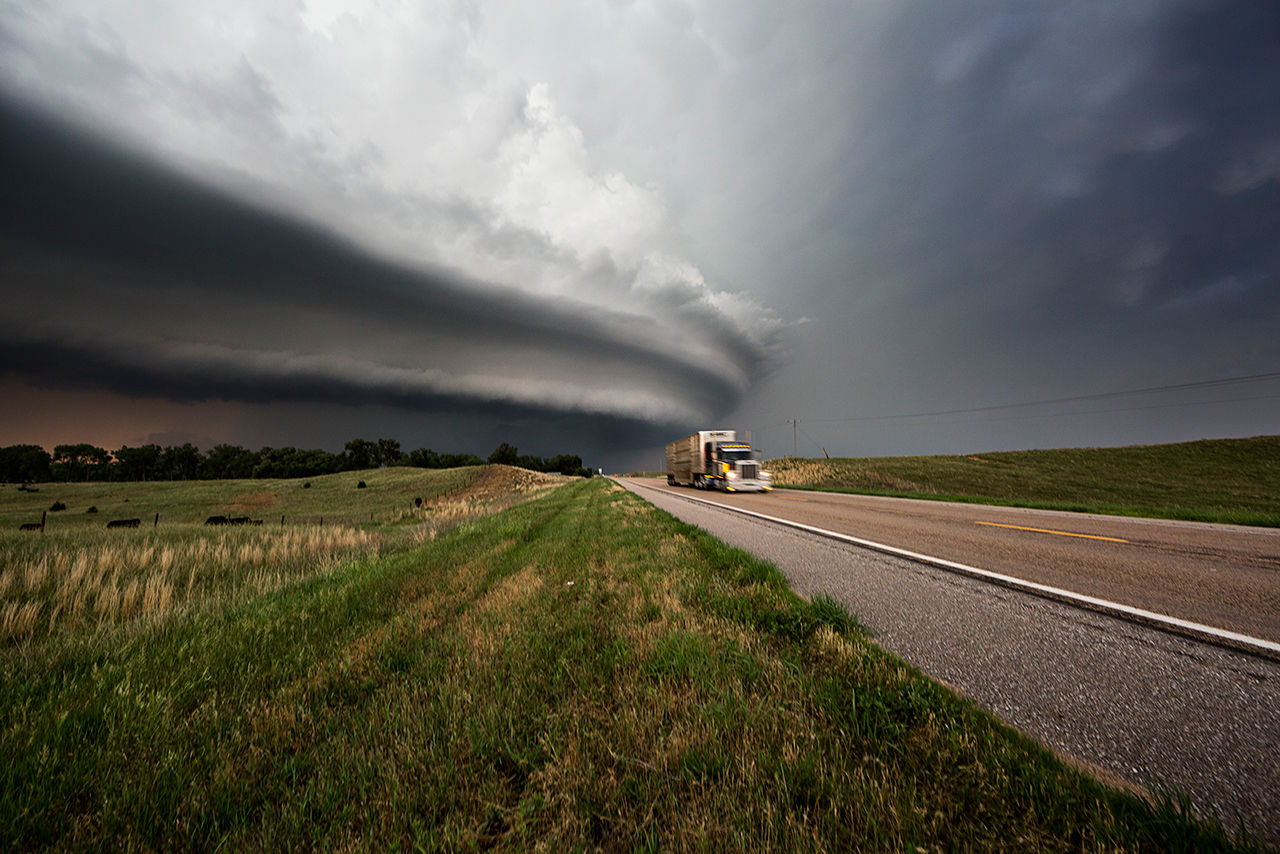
(715, 459)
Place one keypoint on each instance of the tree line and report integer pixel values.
(83, 462)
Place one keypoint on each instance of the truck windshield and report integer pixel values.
(735, 454)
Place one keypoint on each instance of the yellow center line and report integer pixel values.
(1059, 533)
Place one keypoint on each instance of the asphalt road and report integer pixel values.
(1137, 704)
(1226, 576)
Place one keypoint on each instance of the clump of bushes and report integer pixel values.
(362, 485)
(93, 508)
(56, 506)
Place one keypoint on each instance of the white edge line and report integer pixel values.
(1234, 639)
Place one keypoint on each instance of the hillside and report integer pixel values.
(1212, 480)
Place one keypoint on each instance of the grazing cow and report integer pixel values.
(216, 520)
(124, 523)
(30, 526)
(238, 520)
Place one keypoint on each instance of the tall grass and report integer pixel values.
(91, 581)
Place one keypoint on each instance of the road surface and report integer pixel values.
(1226, 576)
(1138, 704)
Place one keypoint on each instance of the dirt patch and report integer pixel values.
(499, 479)
(256, 500)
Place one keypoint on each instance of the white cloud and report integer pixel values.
(553, 188)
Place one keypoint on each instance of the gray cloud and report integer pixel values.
(1032, 201)
(124, 274)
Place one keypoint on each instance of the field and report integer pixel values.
(522, 663)
(1220, 480)
(77, 573)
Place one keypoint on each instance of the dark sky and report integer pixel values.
(599, 227)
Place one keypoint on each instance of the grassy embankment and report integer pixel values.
(577, 671)
(1220, 480)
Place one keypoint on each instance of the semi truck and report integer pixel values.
(715, 459)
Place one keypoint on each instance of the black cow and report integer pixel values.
(124, 523)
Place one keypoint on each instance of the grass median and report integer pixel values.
(579, 671)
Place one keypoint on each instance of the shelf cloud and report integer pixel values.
(133, 277)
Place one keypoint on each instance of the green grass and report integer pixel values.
(1220, 480)
(579, 671)
(330, 498)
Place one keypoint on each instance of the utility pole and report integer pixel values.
(795, 423)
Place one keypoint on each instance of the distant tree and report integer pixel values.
(224, 462)
(361, 454)
(570, 464)
(79, 462)
(455, 461)
(137, 463)
(505, 454)
(181, 462)
(388, 452)
(424, 458)
(292, 462)
(25, 464)
(528, 461)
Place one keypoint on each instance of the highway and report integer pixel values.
(1138, 705)
(1221, 575)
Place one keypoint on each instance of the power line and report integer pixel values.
(1143, 408)
(1100, 396)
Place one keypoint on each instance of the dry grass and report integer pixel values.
(797, 471)
(498, 488)
(81, 582)
(91, 579)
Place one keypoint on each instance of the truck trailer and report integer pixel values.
(715, 459)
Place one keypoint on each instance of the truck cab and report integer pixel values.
(733, 466)
(715, 459)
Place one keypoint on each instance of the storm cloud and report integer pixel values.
(643, 218)
(1035, 201)
(129, 276)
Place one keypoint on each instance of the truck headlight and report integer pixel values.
(732, 475)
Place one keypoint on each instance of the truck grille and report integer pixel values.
(749, 471)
